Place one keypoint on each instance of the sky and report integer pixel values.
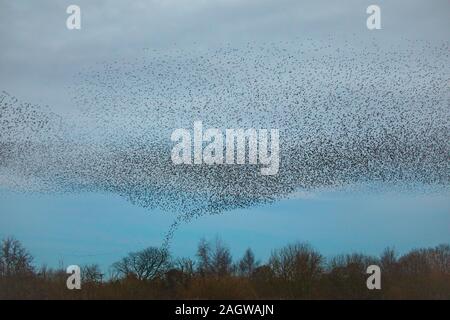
(39, 58)
(101, 228)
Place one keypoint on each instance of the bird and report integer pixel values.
(349, 116)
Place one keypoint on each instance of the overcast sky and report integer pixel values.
(39, 55)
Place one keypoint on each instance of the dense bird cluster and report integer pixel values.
(347, 116)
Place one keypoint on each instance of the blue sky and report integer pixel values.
(101, 228)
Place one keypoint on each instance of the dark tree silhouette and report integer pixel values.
(299, 267)
(214, 259)
(295, 271)
(388, 261)
(92, 273)
(296, 262)
(185, 265)
(247, 264)
(14, 259)
(147, 264)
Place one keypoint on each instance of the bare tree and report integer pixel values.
(185, 265)
(247, 264)
(299, 267)
(296, 262)
(347, 275)
(415, 262)
(439, 258)
(422, 261)
(147, 264)
(92, 273)
(204, 257)
(388, 260)
(214, 259)
(222, 261)
(14, 259)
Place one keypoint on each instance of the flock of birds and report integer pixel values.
(347, 116)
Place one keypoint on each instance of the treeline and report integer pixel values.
(296, 271)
